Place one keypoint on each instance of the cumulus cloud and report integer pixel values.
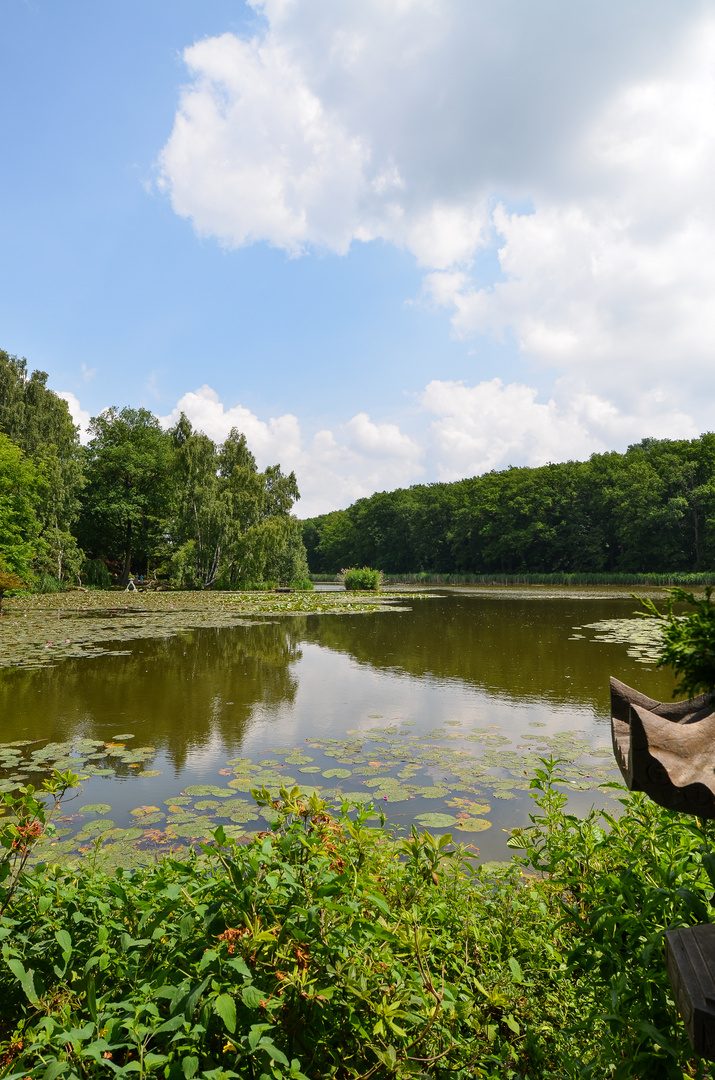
(277, 439)
(81, 417)
(490, 425)
(458, 430)
(617, 285)
(432, 125)
(573, 145)
(333, 468)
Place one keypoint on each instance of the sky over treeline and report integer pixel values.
(393, 242)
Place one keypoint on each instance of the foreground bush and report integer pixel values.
(326, 949)
(361, 579)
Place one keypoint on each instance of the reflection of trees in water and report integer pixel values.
(171, 693)
(518, 647)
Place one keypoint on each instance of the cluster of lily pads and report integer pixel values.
(36, 631)
(643, 637)
(453, 786)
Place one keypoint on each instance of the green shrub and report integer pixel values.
(95, 573)
(688, 640)
(47, 583)
(304, 585)
(622, 881)
(361, 579)
(326, 948)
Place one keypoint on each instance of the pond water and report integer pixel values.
(438, 712)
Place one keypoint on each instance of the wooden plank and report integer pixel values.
(690, 955)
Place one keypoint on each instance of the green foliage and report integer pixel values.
(621, 882)
(360, 580)
(650, 510)
(27, 817)
(95, 573)
(123, 507)
(688, 640)
(229, 523)
(321, 949)
(38, 421)
(20, 485)
(326, 948)
(46, 583)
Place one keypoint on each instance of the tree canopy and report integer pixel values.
(136, 498)
(649, 510)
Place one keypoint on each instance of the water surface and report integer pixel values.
(485, 680)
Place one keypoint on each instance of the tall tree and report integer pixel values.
(39, 422)
(20, 488)
(230, 523)
(124, 506)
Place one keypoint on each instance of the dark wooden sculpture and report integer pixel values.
(666, 749)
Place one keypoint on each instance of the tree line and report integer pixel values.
(648, 510)
(136, 500)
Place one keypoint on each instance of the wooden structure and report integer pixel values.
(667, 750)
(690, 954)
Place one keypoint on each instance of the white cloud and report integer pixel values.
(573, 144)
(80, 416)
(425, 123)
(333, 469)
(277, 439)
(458, 430)
(490, 426)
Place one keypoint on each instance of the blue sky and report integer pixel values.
(393, 242)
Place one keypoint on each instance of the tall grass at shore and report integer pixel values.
(429, 578)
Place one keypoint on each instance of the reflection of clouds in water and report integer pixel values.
(336, 693)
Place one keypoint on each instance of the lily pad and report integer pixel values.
(436, 821)
(339, 774)
(473, 824)
(95, 808)
(121, 738)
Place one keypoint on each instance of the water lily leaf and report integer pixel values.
(242, 783)
(95, 808)
(473, 824)
(121, 738)
(125, 834)
(339, 774)
(310, 769)
(208, 789)
(139, 811)
(150, 772)
(436, 821)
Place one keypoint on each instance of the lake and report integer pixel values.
(437, 712)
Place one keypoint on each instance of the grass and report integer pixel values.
(428, 578)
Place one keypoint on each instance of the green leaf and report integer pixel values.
(189, 1066)
(252, 997)
(516, 972)
(64, 941)
(55, 1069)
(25, 978)
(226, 1008)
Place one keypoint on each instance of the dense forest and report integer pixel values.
(137, 500)
(649, 510)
